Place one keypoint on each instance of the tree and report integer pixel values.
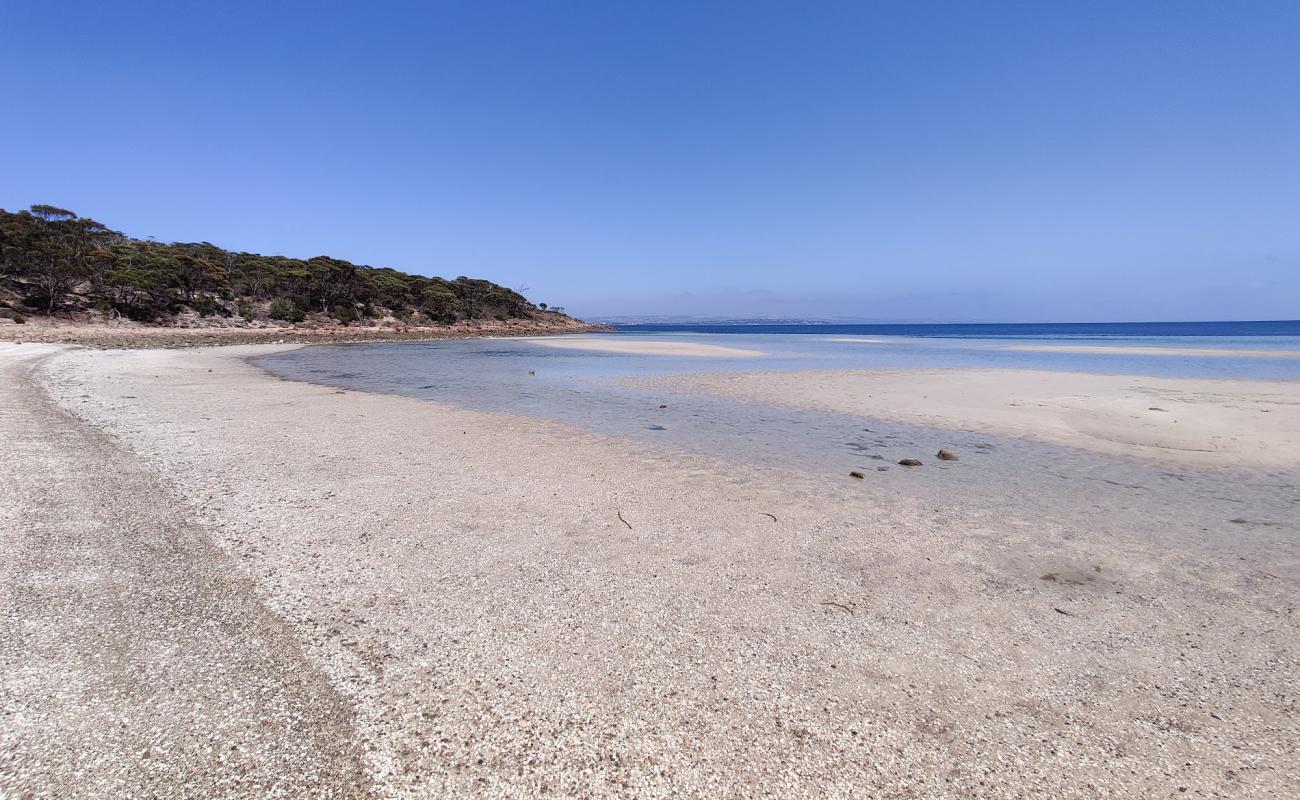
(52, 258)
(57, 249)
(440, 303)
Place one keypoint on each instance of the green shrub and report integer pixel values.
(204, 306)
(287, 310)
(139, 313)
(345, 313)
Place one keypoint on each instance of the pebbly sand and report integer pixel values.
(1207, 423)
(450, 603)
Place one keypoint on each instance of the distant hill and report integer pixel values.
(54, 262)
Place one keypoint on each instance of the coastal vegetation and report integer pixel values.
(55, 262)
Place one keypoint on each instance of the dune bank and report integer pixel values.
(426, 601)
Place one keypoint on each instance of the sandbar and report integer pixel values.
(643, 347)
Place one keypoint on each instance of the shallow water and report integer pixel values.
(1031, 480)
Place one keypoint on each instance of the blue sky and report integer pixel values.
(964, 161)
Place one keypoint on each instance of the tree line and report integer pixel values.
(52, 261)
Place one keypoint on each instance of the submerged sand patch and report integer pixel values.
(643, 347)
(1214, 423)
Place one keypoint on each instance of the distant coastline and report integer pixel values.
(977, 330)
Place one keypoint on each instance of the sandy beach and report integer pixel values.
(218, 583)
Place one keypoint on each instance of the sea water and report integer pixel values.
(585, 388)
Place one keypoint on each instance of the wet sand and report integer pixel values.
(1207, 423)
(511, 607)
(648, 348)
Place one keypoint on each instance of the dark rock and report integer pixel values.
(910, 462)
(856, 474)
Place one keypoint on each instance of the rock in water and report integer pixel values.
(910, 462)
(946, 455)
(856, 474)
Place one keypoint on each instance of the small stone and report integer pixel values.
(856, 474)
(946, 455)
(910, 462)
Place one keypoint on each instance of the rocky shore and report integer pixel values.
(131, 336)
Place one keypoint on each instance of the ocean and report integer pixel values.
(587, 387)
(589, 390)
(1100, 331)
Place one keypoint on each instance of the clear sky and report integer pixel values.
(981, 161)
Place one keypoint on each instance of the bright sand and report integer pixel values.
(646, 348)
(1214, 423)
(509, 606)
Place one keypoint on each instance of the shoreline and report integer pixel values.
(136, 337)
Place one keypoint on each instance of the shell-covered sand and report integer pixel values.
(424, 601)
